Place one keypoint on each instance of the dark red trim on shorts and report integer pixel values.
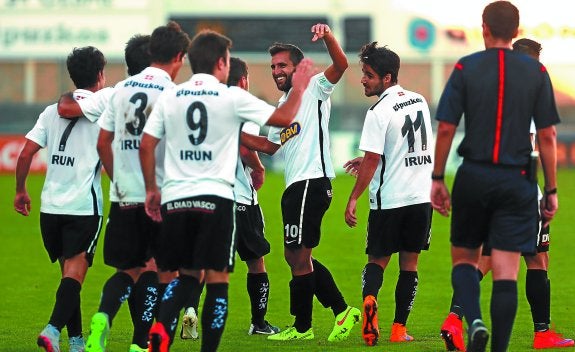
(500, 98)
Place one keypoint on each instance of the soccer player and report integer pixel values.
(537, 285)
(494, 195)
(71, 203)
(130, 244)
(397, 140)
(308, 174)
(251, 244)
(200, 120)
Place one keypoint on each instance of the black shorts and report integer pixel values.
(400, 229)
(543, 238)
(496, 205)
(197, 233)
(131, 236)
(66, 236)
(303, 205)
(251, 241)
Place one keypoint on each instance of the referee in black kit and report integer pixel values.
(494, 194)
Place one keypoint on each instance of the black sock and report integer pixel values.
(116, 290)
(466, 290)
(503, 310)
(539, 298)
(258, 289)
(67, 302)
(302, 289)
(145, 299)
(74, 324)
(456, 307)
(371, 280)
(175, 296)
(194, 299)
(326, 289)
(405, 291)
(214, 316)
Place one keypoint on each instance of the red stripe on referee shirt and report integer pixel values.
(499, 117)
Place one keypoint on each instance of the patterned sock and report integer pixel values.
(258, 289)
(405, 291)
(67, 302)
(503, 310)
(145, 300)
(116, 290)
(371, 279)
(326, 289)
(214, 315)
(175, 296)
(302, 288)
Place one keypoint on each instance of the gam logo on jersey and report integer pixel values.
(289, 132)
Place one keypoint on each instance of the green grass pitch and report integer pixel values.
(29, 281)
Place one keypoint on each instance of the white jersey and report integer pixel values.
(126, 116)
(94, 106)
(305, 143)
(398, 127)
(243, 189)
(201, 120)
(72, 185)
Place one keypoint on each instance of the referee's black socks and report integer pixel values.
(503, 310)
(466, 290)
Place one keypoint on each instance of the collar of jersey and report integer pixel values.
(204, 77)
(157, 72)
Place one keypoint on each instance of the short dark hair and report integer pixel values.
(84, 65)
(527, 46)
(295, 53)
(381, 59)
(207, 48)
(502, 18)
(238, 69)
(167, 42)
(137, 53)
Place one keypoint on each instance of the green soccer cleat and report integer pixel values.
(344, 322)
(136, 348)
(292, 334)
(99, 330)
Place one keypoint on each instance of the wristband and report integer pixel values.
(551, 191)
(437, 177)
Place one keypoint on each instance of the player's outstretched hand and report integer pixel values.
(22, 203)
(319, 31)
(153, 203)
(440, 199)
(302, 74)
(352, 166)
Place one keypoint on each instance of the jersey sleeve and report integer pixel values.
(155, 126)
(274, 135)
(320, 87)
(545, 113)
(107, 121)
(251, 128)
(39, 133)
(450, 106)
(251, 108)
(373, 133)
(93, 106)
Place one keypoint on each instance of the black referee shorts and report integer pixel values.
(496, 205)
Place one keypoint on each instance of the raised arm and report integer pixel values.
(339, 61)
(68, 107)
(258, 143)
(22, 199)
